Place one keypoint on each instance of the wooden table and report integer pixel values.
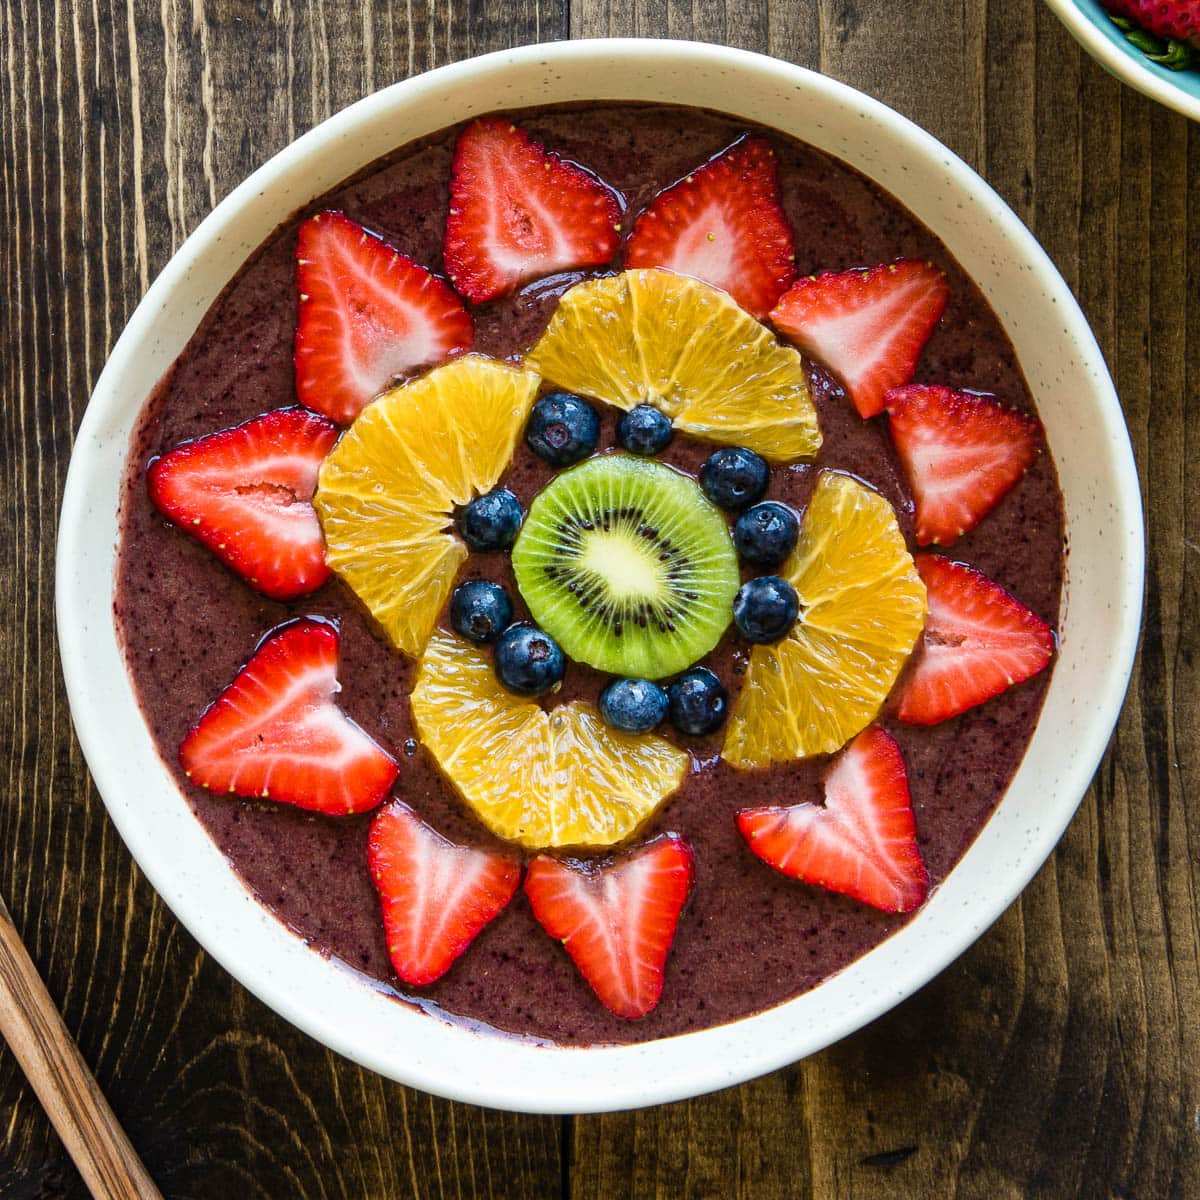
(1060, 1057)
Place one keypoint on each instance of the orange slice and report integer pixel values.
(862, 608)
(386, 494)
(559, 778)
(654, 337)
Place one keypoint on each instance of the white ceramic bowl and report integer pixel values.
(1099, 630)
(1091, 27)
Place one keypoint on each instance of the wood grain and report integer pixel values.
(1058, 1058)
(34, 1031)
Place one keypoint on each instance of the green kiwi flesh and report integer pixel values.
(626, 563)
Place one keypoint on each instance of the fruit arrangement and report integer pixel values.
(397, 469)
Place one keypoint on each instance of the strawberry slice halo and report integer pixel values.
(616, 918)
(246, 493)
(366, 314)
(519, 212)
(436, 896)
(722, 224)
(978, 642)
(275, 732)
(862, 842)
(423, 945)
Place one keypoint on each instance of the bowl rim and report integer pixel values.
(1122, 64)
(327, 999)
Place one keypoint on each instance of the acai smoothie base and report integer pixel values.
(748, 938)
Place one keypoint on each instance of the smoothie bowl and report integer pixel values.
(721, 582)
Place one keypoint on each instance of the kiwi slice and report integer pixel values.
(626, 563)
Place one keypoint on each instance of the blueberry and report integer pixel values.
(528, 661)
(765, 608)
(644, 430)
(734, 477)
(765, 534)
(698, 702)
(480, 610)
(634, 705)
(562, 429)
(490, 521)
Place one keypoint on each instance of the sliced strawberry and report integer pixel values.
(436, 896)
(862, 841)
(961, 452)
(246, 493)
(723, 224)
(978, 642)
(518, 212)
(367, 313)
(616, 919)
(275, 733)
(867, 326)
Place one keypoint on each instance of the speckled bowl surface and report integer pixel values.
(1099, 630)
(1091, 27)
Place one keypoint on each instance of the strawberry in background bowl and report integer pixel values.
(1152, 45)
(1167, 32)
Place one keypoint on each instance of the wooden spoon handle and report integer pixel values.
(33, 1028)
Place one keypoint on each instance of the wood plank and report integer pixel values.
(1056, 1058)
(122, 124)
(34, 1031)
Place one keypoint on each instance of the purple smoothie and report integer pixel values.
(748, 938)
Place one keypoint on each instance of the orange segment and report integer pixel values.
(559, 778)
(653, 337)
(387, 493)
(862, 608)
